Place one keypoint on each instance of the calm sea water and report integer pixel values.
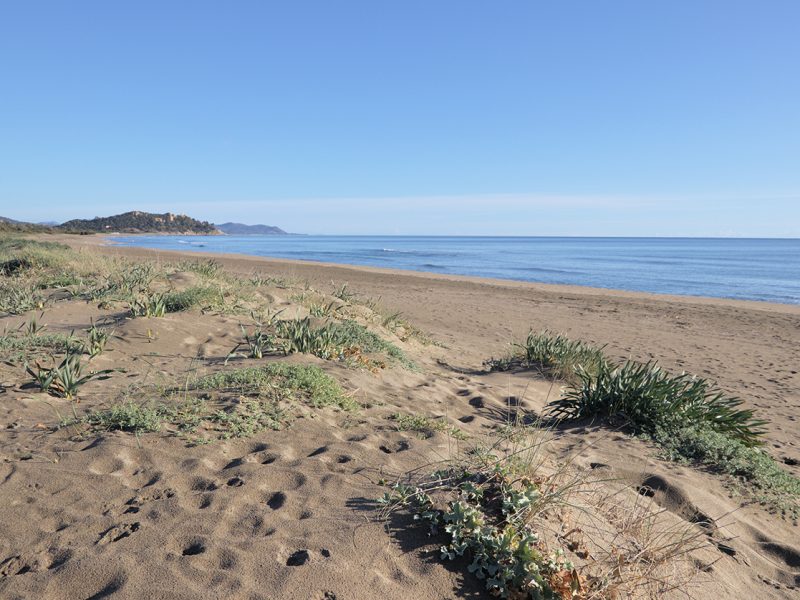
(753, 269)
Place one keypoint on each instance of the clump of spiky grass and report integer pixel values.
(65, 379)
(19, 296)
(155, 304)
(17, 347)
(690, 419)
(260, 280)
(209, 268)
(149, 305)
(335, 340)
(96, 340)
(301, 336)
(344, 293)
(178, 301)
(554, 354)
(647, 397)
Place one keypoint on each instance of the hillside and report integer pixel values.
(9, 225)
(140, 222)
(242, 229)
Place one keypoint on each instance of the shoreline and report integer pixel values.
(106, 241)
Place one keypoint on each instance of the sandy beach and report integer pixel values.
(289, 512)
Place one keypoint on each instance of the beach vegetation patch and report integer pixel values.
(647, 397)
(281, 381)
(688, 417)
(19, 296)
(425, 426)
(752, 471)
(553, 354)
(531, 529)
(16, 347)
(348, 341)
(65, 379)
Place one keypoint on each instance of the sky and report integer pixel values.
(677, 118)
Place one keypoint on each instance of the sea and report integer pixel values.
(749, 269)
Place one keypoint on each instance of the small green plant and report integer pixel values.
(257, 343)
(248, 417)
(66, 379)
(425, 426)
(18, 297)
(207, 268)
(344, 293)
(485, 508)
(33, 327)
(96, 340)
(126, 416)
(349, 334)
(150, 305)
(300, 336)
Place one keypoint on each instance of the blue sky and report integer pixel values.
(468, 117)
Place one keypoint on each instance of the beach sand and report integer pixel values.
(116, 515)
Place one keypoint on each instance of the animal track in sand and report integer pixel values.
(194, 548)
(276, 500)
(118, 532)
(135, 504)
(672, 498)
(298, 558)
(477, 402)
(14, 565)
(106, 465)
(268, 459)
(202, 484)
(400, 446)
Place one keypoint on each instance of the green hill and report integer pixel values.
(140, 222)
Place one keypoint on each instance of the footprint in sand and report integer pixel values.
(118, 532)
(276, 500)
(400, 446)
